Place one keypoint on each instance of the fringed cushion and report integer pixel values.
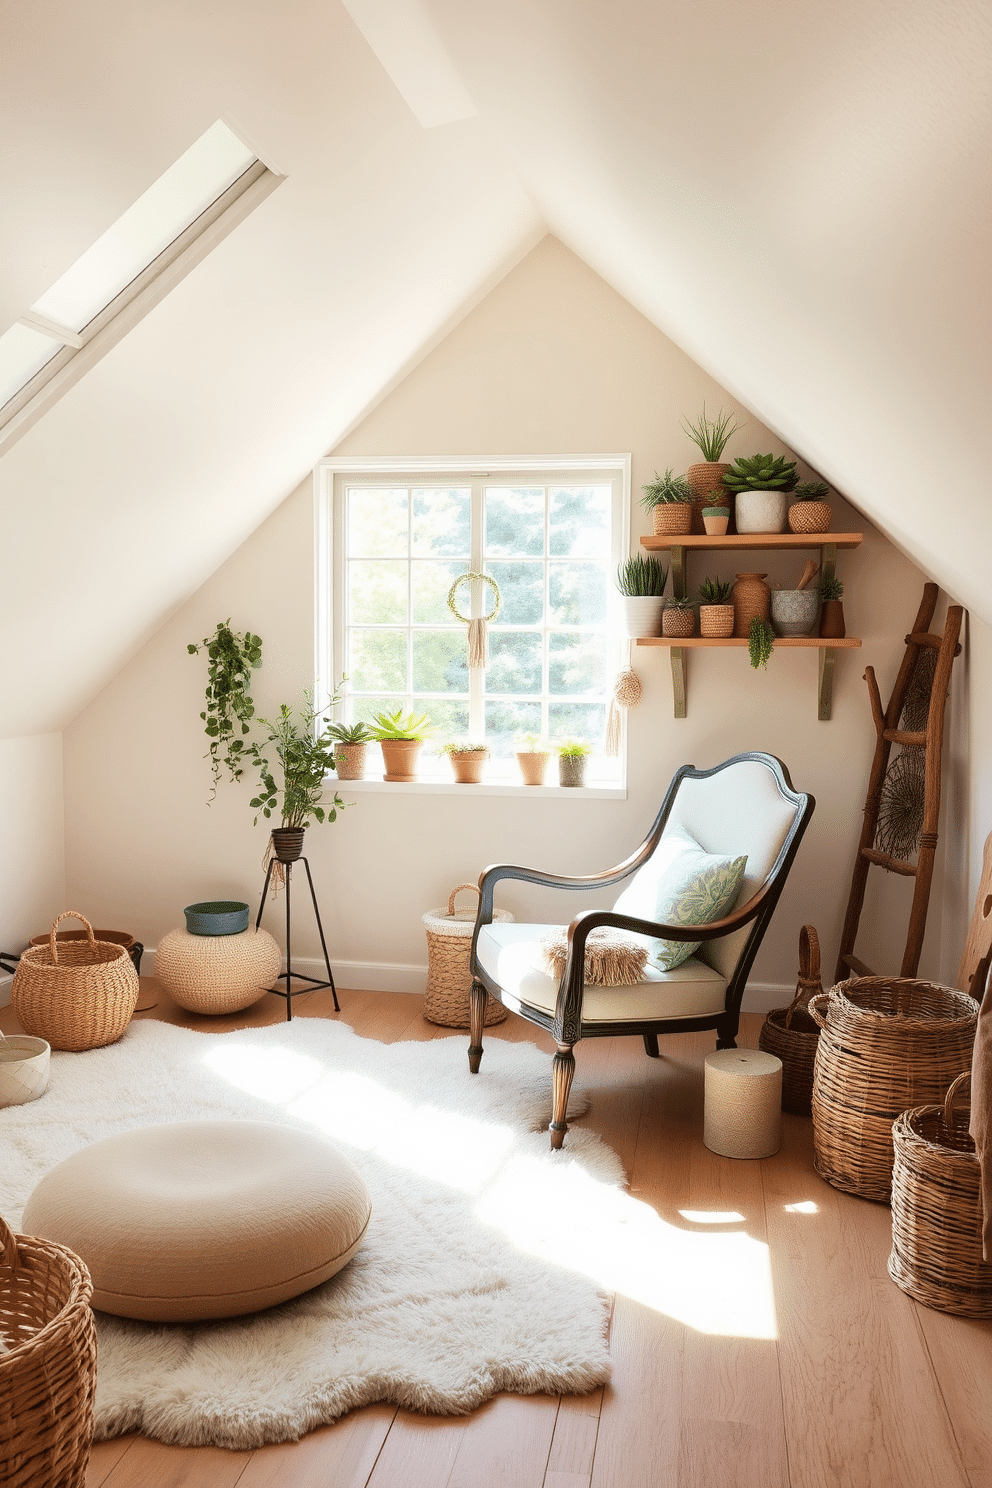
(612, 958)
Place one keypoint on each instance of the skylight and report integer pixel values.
(198, 190)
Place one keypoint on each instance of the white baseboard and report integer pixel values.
(5, 986)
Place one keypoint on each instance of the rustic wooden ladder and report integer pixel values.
(930, 740)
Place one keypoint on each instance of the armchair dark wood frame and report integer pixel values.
(566, 1026)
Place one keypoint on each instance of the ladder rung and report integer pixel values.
(894, 865)
(899, 736)
(924, 638)
(858, 967)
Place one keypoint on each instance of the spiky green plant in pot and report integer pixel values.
(761, 473)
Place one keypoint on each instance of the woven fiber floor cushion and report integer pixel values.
(217, 973)
(203, 1219)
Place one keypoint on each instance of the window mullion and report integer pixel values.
(476, 695)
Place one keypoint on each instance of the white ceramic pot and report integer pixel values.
(761, 511)
(642, 614)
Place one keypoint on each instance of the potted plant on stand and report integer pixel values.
(716, 613)
(400, 737)
(533, 754)
(642, 582)
(304, 754)
(669, 500)
(572, 756)
(712, 437)
(760, 484)
(351, 745)
(467, 760)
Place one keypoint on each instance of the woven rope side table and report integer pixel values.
(449, 978)
(217, 973)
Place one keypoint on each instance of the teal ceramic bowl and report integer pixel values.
(219, 917)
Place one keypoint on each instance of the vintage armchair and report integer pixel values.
(746, 805)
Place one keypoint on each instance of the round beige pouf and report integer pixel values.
(217, 973)
(203, 1219)
(742, 1102)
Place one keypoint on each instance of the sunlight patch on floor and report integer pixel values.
(715, 1283)
(712, 1216)
(805, 1207)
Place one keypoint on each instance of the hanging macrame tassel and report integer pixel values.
(611, 746)
(478, 643)
(626, 694)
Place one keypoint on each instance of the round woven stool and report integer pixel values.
(742, 1103)
(217, 973)
(449, 976)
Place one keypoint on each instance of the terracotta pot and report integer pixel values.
(349, 761)
(399, 756)
(533, 764)
(672, 519)
(716, 622)
(752, 597)
(571, 769)
(761, 511)
(468, 765)
(287, 842)
(642, 614)
(810, 516)
(678, 622)
(704, 477)
(832, 625)
(716, 521)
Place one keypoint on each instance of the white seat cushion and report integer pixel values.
(511, 955)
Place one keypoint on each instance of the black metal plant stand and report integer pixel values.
(287, 976)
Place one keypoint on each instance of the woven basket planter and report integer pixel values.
(75, 994)
(449, 977)
(887, 1043)
(672, 518)
(752, 597)
(810, 516)
(48, 1372)
(716, 621)
(349, 761)
(706, 484)
(937, 1210)
(791, 1033)
(678, 622)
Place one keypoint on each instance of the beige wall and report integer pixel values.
(551, 361)
(32, 866)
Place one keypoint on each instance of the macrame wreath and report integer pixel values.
(478, 636)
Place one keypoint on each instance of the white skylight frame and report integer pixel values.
(78, 347)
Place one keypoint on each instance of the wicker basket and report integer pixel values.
(48, 1373)
(672, 518)
(937, 1210)
(76, 994)
(791, 1033)
(888, 1043)
(449, 977)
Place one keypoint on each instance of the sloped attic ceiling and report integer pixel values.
(796, 193)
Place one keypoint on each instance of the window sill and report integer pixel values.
(473, 792)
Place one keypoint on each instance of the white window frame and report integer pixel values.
(329, 597)
(79, 351)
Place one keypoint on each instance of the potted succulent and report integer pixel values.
(572, 756)
(669, 500)
(809, 511)
(351, 745)
(716, 613)
(400, 736)
(832, 625)
(294, 784)
(760, 484)
(716, 519)
(711, 436)
(467, 760)
(679, 618)
(642, 582)
(533, 754)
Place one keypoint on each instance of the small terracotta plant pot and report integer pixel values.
(679, 623)
(399, 756)
(571, 769)
(832, 625)
(468, 765)
(672, 518)
(716, 622)
(349, 761)
(533, 764)
(716, 520)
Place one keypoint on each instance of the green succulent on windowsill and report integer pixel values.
(573, 748)
(400, 725)
(666, 490)
(760, 642)
(715, 591)
(761, 473)
(350, 733)
(463, 746)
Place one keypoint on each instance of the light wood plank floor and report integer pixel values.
(854, 1385)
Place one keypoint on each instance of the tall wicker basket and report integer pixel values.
(791, 1033)
(887, 1043)
(48, 1373)
(937, 1210)
(449, 952)
(76, 994)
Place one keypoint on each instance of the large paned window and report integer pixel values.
(549, 538)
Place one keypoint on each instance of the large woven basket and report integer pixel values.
(76, 994)
(937, 1210)
(791, 1033)
(887, 1043)
(48, 1372)
(449, 976)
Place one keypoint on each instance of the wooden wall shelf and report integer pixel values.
(828, 544)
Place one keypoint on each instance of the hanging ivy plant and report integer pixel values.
(760, 642)
(227, 717)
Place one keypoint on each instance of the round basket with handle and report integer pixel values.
(48, 1365)
(449, 977)
(937, 1209)
(792, 1034)
(886, 1044)
(76, 994)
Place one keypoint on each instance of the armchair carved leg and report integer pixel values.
(562, 1071)
(726, 1033)
(651, 1045)
(477, 1000)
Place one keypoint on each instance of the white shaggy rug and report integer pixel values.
(440, 1308)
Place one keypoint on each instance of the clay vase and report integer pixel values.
(468, 765)
(532, 765)
(752, 598)
(704, 478)
(399, 756)
(832, 625)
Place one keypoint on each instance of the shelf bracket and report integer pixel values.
(678, 681)
(679, 590)
(825, 684)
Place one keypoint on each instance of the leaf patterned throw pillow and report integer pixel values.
(681, 884)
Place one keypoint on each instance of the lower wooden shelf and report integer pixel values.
(826, 646)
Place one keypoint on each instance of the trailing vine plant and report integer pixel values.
(760, 642)
(229, 707)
